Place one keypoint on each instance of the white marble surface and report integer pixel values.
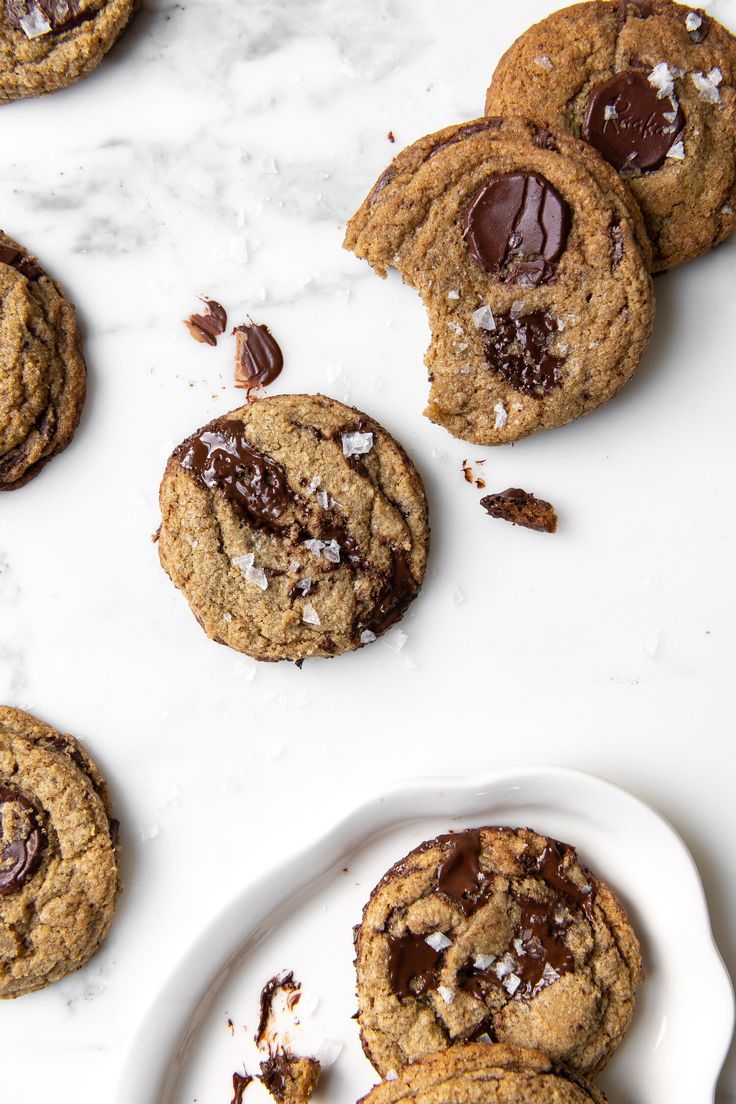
(219, 150)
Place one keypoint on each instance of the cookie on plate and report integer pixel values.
(483, 1074)
(497, 935)
(47, 44)
(651, 86)
(58, 862)
(42, 372)
(295, 526)
(533, 263)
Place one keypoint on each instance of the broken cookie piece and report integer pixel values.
(522, 508)
(290, 1080)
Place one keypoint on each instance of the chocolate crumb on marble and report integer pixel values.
(521, 508)
(208, 326)
(258, 356)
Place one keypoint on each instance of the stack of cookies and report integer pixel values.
(608, 152)
(493, 966)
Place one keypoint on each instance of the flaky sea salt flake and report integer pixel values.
(707, 85)
(543, 62)
(367, 637)
(511, 984)
(456, 328)
(483, 961)
(447, 995)
(331, 551)
(34, 23)
(693, 21)
(610, 112)
(483, 319)
(356, 444)
(662, 77)
(504, 967)
(677, 152)
(391, 1075)
(438, 941)
(453, 295)
(310, 615)
(501, 416)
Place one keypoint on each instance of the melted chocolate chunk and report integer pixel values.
(275, 1074)
(545, 139)
(478, 983)
(207, 327)
(541, 954)
(518, 349)
(640, 9)
(21, 841)
(459, 875)
(522, 508)
(39, 17)
(383, 181)
(485, 1027)
(397, 593)
(24, 264)
(465, 132)
(255, 485)
(241, 1081)
(516, 227)
(258, 357)
(550, 866)
(629, 124)
(411, 959)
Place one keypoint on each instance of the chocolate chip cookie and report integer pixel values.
(532, 261)
(494, 935)
(42, 372)
(650, 85)
(478, 1074)
(295, 526)
(58, 863)
(47, 44)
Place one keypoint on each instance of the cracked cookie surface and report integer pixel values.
(486, 1074)
(295, 526)
(58, 863)
(46, 45)
(532, 260)
(496, 935)
(651, 86)
(42, 372)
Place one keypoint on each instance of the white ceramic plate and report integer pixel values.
(300, 917)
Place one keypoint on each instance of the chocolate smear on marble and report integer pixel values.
(208, 326)
(519, 350)
(630, 124)
(258, 357)
(412, 964)
(220, 457)
(241, 1081)
(517, 226)
(284, 983)
(22, 841)
(521, 508)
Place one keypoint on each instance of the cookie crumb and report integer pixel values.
(391, 136)
(241, 1081)
(208, 326)
(522, 508)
